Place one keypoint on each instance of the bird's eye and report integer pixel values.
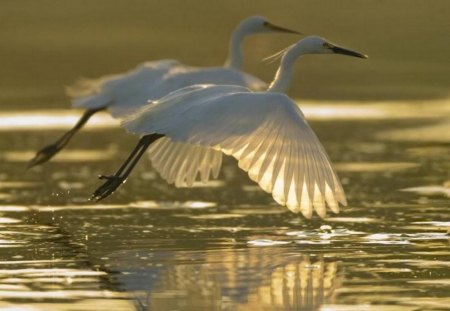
(327, 45)
(265, 23)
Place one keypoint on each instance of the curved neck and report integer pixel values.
(235, 55)
(283, 76)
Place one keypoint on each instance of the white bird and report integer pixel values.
(122, 93)
(265, 131)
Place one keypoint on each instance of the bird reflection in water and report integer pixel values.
(245, 279)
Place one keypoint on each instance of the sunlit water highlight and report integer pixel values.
(335, 110)
(50, 120)
(226, 245)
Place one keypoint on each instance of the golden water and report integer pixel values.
(226, 245)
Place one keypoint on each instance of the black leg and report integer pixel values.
(51, 150)
(114, 181)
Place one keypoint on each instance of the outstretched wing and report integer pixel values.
(181, 163)
(178, 162)
(97, 93)
(266, 132)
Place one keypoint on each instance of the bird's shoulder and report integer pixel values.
(200, 92)
(262, 106)
(273, 100)
(215, 75)
(237, 76)
(162, 63)
(201, 75)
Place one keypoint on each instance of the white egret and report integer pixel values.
(122, 93)
(265, 131)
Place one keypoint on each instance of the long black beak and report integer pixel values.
(339, 50)
(280, 29)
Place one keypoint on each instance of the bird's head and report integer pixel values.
(259, 24)
(318, 45)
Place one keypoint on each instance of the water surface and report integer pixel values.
(226, 245)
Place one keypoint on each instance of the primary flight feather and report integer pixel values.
(265, 131)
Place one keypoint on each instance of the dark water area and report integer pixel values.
(226, 245)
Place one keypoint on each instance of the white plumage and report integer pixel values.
(181, 163)
(122, 94)
(265, 131)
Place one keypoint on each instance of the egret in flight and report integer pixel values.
(266, 132)
(120, 94)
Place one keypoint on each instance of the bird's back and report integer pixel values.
(119, 88)
(178, 77)
(124, 93)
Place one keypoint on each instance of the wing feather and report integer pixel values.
(269, 155)
(177, 167)
(169, 161)
(181, 163)
(260, 161)
(288, 169)
(194, 167)
(162, 156)
(266, 132)
(217, 163)
(158, 148)
(279, 160)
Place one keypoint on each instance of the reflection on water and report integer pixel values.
(226, 245)
(240, 279)
(41, 269)
(431, 190)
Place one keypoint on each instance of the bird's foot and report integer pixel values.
(111, 184)
(44, 155)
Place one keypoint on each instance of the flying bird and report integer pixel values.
(122, 93)
(188, 130)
